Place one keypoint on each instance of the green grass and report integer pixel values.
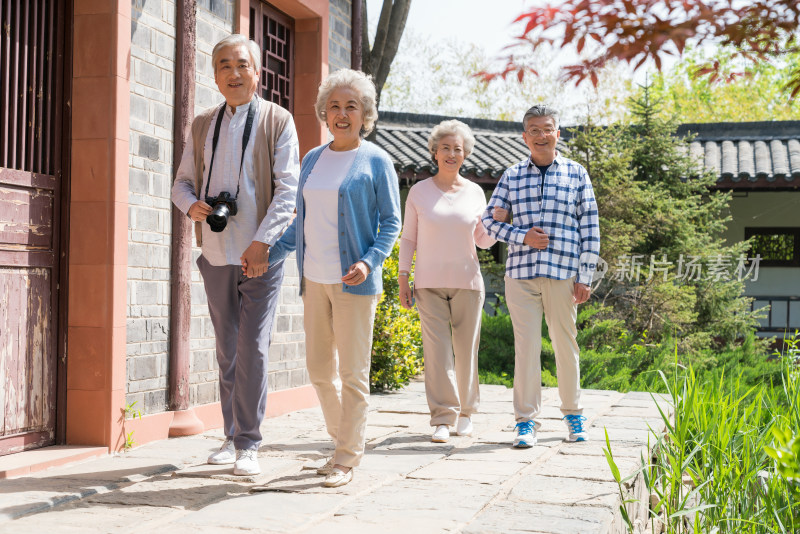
(738, 444)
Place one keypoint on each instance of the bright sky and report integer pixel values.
(486, 23)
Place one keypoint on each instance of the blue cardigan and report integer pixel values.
(369, 216)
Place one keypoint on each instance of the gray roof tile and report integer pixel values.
(747, 155)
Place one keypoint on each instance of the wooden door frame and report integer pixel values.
(63, 227)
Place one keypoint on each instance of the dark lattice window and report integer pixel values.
(274, 33)
(778, 247)
(30, 89)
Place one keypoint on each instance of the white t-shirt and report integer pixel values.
(321, 262)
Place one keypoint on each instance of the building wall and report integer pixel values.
(340, 36)
(150, 172)
(152, 86)
(769, 209)
(765, 210)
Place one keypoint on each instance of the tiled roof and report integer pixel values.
(748, 155)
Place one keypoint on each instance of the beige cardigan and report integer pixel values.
(272, 120)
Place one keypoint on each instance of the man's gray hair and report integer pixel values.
(238, 39)
(540, 110)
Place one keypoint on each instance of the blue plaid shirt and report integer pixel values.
(566, 211)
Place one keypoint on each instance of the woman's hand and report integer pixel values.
(357, 273)
(501, 215)
(406, 294)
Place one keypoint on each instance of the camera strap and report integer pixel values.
(248, 127)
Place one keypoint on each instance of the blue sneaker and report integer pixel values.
(575, 426)
(525, 435)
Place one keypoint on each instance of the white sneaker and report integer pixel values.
(326, 469)
(246, 462)
(464, 426)
(225, 455)
(441, 434)
(337, 478)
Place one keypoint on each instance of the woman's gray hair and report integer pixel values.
(451, 127)
(360, 83)
(238, 39)
(540, 110)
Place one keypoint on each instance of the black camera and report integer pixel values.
(222, 207)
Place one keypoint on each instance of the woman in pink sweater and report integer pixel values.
(442, 224)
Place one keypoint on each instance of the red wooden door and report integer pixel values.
(31, 84)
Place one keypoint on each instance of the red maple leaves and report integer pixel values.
(635, 31)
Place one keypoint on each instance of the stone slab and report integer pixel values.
(440, 503)
(170, 492)
(486, 471)
(515, 516)
(270, 468)
(394, 461)
(80, 518)
(498, 452)
(311, 482)
(586, 467)
(265, 512)
(565, 491)
(120, 468)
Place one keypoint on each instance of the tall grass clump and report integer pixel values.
(728, 461)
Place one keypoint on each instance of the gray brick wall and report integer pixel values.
(339, 34)
(287, 353)
(150, 173)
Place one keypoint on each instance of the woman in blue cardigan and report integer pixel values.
(348, 218)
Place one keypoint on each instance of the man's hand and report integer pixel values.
(536, 238)
(199, 211)
(580, 293)
(501, 215)
(406, 293)
(356, 274)
(255, 259)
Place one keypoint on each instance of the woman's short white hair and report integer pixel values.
(237, 39)
(360, 83)
(451, 127)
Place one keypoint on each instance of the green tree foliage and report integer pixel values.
(652, 215)
(759, 95)
(396, 335)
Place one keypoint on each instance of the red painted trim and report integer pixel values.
(156, 427)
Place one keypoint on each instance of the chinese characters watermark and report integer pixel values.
(687, 268)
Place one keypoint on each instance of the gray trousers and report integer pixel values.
(242, 311)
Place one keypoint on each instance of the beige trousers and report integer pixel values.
(339, 322)
(527, 300)
(451, 332)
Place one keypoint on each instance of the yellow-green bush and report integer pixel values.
(396, 336)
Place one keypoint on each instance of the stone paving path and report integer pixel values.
(405, 484)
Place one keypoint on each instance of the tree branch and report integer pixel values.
(381, 35)
(397, 24)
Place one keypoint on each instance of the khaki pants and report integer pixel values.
(527, 300)
(339, 322)
(451, 331)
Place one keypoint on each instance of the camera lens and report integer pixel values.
(218, 218)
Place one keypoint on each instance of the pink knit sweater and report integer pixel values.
(443, 229)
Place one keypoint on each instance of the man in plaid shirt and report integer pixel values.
(553, 246)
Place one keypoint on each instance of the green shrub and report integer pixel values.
(614, 359)
(396, 336)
